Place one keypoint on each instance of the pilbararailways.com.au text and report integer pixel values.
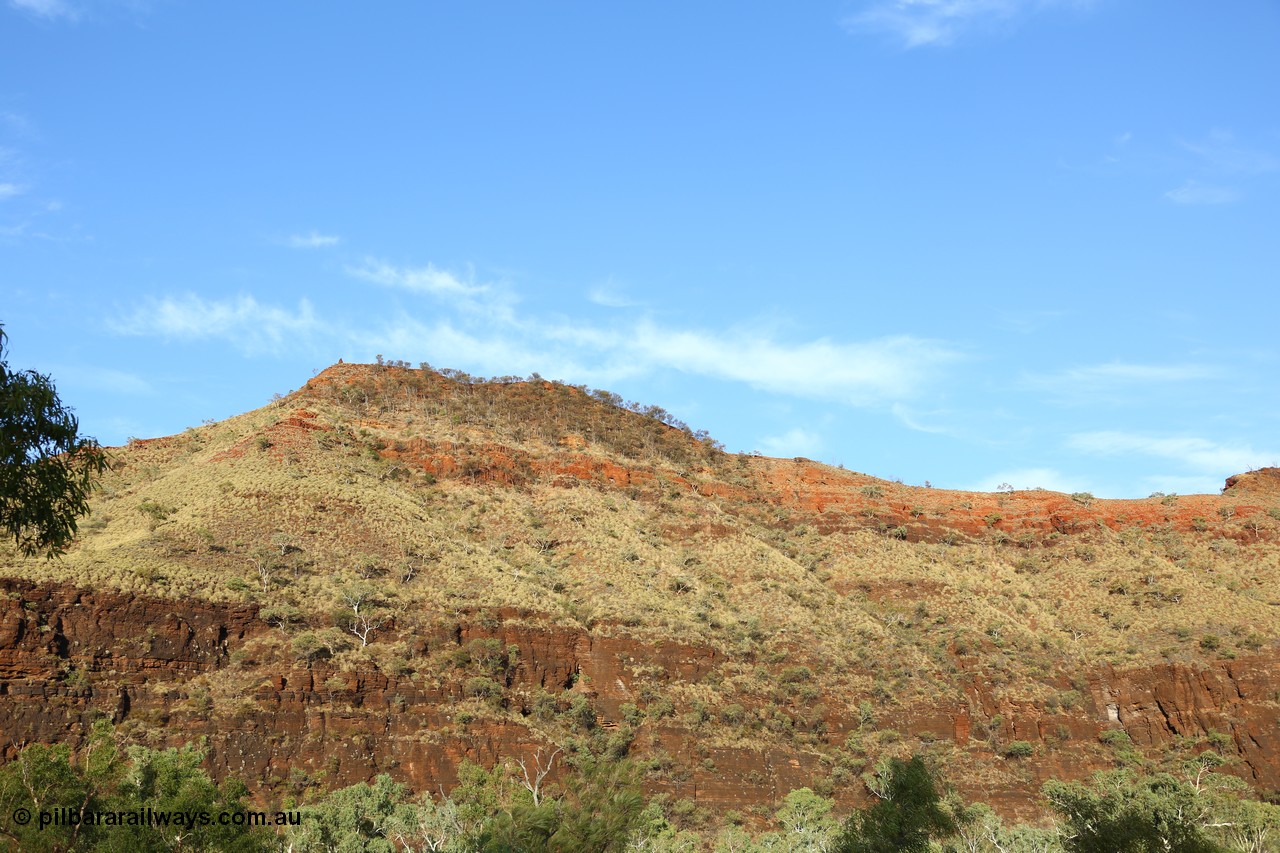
(157, 818)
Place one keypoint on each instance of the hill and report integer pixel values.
(395, 569)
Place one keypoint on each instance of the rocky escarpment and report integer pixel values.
(69, 656)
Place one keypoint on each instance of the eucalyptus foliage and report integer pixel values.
(47, 469)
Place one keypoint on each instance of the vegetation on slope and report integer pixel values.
(378, 503)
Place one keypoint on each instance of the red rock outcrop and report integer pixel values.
(68, 656)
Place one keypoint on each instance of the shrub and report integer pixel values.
(1115, 737)
(1019, 749)
(157, 512)
(482, 687)
(795, 675)
(1220, 740)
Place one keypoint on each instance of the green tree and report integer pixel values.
(361, 818)
(172, 783)
(1250, 826)
(1124, 813)
(600, 811)
(43, 778)
(102, 781)
(908, 815)
(980, 830)
(47, 469)
(807, 825)
(601, 808)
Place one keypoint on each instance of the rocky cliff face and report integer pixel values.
(69, 656)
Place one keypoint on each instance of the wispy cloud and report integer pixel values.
(8, 190)
(312, 240)
(793, 442)
(1194, 192)
(481, 330)
(911, 420)
(51, 9)
(919, 23)
(860, 373)
(1030, 478)
(1115, 380)
(1221, 159)
(242, 321)
(863, 373)
(1118, 371)
(428, 279)
(1192, 452)
(609, 296)
(1223, 154)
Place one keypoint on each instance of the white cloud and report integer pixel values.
(426, 279)
(793, 442)
(47, 8)
(917, 23)
(447, 345)
(1121, 372)
(483, 332)
(1031, 478)
(1115, 382)
(610, 297)
(1196, 453)
(313, 240)
(865, 373)
(243, 321)
(1194, 192)
(911, 420)
(858, 373)
(9, 191)
(1182, 485)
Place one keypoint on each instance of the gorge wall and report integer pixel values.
(68, 656)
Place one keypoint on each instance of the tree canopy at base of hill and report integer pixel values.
(595, 806)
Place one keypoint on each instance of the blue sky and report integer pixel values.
(962, 241)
